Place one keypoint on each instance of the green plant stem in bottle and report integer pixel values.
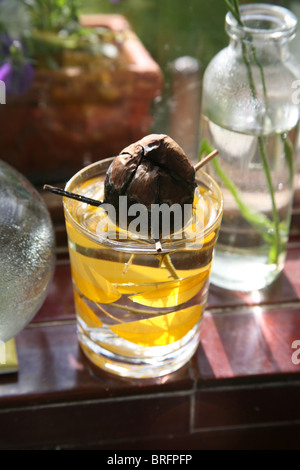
(250, 117)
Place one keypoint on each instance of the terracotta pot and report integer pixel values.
(87, 110)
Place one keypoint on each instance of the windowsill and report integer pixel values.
(240, 390)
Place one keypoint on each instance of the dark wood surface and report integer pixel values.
(240, 390)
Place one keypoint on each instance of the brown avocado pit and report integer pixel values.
(153, 170)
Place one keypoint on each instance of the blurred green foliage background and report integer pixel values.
(174, 28)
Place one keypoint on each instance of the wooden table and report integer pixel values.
(240, 391)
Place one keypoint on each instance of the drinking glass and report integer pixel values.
(139, 308)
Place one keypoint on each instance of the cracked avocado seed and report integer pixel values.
(153, 170)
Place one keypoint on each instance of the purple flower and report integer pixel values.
(17, 79)
(16, 72)
(5, 71)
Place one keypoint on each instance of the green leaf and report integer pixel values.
(289, 155)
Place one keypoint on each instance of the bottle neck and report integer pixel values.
(261, 50)
(267, 28)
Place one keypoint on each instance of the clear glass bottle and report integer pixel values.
(250, 113)
(27, 252)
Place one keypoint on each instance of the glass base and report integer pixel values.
(243, 273)
(149, 363)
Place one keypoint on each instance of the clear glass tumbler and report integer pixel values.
(139, 309)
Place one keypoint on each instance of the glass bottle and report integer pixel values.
(250, 113)
(27, 252)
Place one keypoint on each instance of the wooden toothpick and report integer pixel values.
(158, 246)
(78, 197)
(206, 160)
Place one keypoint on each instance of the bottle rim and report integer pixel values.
(262, 21)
